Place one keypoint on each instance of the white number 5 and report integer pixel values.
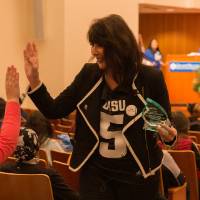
(111, 130)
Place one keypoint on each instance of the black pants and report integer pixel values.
(94, 185)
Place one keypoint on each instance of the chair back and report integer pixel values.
(174, 193)
(177, 193)
(187, 162)
(42, 154)
(25, 186)
(193, 138)
(71, 178)
(195, 133)
(198, 145)
(42, 163)
(65, 128)
(60, 156)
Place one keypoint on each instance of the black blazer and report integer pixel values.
(84, 95)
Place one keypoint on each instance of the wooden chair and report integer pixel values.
(25, 186)
(65, 128)
(72, 115)
(187, 162)
(57, 132)
(195, 133)
(174, 193)
(60, 156)
(177, 193)
(71, 178)
(67, 122)
(198, 145)
(42, 155)
(42, 163)
(193, 138)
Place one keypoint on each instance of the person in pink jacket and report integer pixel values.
(10, 126)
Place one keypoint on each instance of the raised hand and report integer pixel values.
(31, 65)
(12, 84)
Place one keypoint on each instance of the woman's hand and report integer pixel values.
(12, 84)
(167, 133)
(31, 65)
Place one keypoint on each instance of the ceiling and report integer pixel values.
(150, 8)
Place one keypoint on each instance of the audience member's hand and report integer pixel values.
(167, 133)
(12, 84)
(31, 65)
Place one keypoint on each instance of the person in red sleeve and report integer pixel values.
(11, 119)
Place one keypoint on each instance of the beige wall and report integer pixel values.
(64, 48)
(176, 33)
(51, 47)
(19, 28)
(15, 31)
(78, 17)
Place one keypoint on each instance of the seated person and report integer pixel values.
(194, 110)
(153, 55)
(42, 127)
(25, 153)
(184, 142)
(9, 115)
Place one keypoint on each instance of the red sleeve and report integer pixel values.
(9, 130)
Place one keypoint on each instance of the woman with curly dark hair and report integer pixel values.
(118, 158)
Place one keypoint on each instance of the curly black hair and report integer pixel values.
(121, 51)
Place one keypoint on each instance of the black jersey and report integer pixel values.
(112, 155)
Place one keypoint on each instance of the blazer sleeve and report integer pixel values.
(159, 91)
(64, 103)
(160, 94)
(9, 130)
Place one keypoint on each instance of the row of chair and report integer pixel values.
(25, 186)
(187, 162)
(37, 186)
(55, 155)
(32, 184)
(185, 159)
(195, 134)
(60, 162)
(64, 125)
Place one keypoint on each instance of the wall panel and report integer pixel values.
(176, 33)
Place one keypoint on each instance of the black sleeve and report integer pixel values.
(171, 143)
(60, 190)
(160, 92)
(64, 103)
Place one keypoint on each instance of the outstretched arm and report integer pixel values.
(11, 122)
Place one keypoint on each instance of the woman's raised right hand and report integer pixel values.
(12, 84)
(31, 65)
